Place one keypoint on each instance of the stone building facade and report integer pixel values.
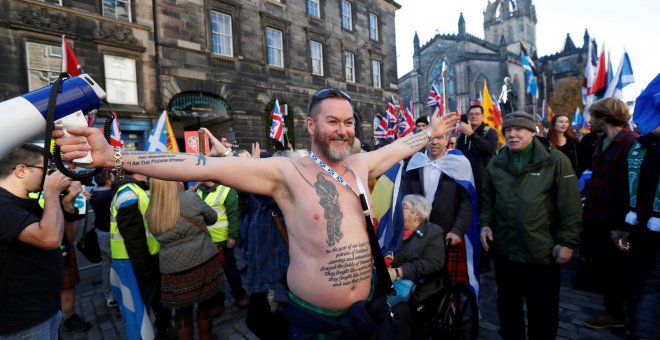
(214, 63)
(472, 60)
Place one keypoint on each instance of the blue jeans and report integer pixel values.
(48, 329)
(106, 262)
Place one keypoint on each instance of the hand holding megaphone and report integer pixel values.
(80, 141)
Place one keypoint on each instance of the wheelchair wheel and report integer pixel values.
(458, 314)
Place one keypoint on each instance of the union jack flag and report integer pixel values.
(391, 117)
(277, 127)
(115, 134)
(435, 99)
(406, 122)
(380, 128)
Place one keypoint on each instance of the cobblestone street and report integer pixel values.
(574, 306)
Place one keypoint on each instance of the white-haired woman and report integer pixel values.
(422, 254)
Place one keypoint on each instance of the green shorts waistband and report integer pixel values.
(333, 313)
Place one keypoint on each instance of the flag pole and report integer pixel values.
(444, 87)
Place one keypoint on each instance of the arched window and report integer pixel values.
(435, 77)
(198, 109)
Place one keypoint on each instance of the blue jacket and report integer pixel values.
(266, 254)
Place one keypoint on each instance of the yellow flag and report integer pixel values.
(492, 115)
(172, 145)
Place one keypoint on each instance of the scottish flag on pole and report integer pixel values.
(127, 293)
(622, 78)
(162, 137)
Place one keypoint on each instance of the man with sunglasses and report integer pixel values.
(30, 259)
(331, 263)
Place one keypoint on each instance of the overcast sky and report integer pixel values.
(633, 24)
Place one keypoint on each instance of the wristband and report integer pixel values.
(119, 163)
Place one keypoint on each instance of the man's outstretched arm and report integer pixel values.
(260, 176)
(384, 158)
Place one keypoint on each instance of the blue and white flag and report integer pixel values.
(455, 165)
(162, 137)
(578, 120)
(528, 66)
(388, 210)
(622, 78)
(647, 107)
(126, 291)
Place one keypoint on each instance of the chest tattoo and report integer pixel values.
(349, 264)
(329, 201)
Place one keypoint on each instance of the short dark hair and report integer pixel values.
(481, 108)
(27, 154)
(325, 93)
(102, 177)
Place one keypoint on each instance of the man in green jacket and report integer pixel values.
(531, 219)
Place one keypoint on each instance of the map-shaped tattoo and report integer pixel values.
(329, 200)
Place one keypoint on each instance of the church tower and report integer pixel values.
(514, 20)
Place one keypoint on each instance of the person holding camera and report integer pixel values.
(31, 262)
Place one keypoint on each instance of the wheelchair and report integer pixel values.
(451, 313)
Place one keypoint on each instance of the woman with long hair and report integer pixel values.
(563, 138)
(191, 272)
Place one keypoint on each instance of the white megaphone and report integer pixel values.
(23, 118)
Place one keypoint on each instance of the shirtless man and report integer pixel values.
(330, 265)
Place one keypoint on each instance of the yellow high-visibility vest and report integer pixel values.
(117, 246)
(220, 229)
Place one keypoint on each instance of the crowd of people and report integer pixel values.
(167, 247)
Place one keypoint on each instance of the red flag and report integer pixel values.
(600, 83)
(70, 63)
(115, 134)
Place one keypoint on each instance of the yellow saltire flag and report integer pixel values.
(172, 145)
(492, 115)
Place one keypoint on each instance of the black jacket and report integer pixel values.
(423, 255)
(451, 209)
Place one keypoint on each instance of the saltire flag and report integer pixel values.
(435, 100)
(70, 63)
(406, 122)
(162, 137)
(126, 292)
(589, 72)
(578, 120)
(622, 78)
(115, 134)
(600, 82)
(389, 216)
(391, 118)
(492, 115)
(380, 128)
(647, 107)
(277, 125)
(528, 66)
